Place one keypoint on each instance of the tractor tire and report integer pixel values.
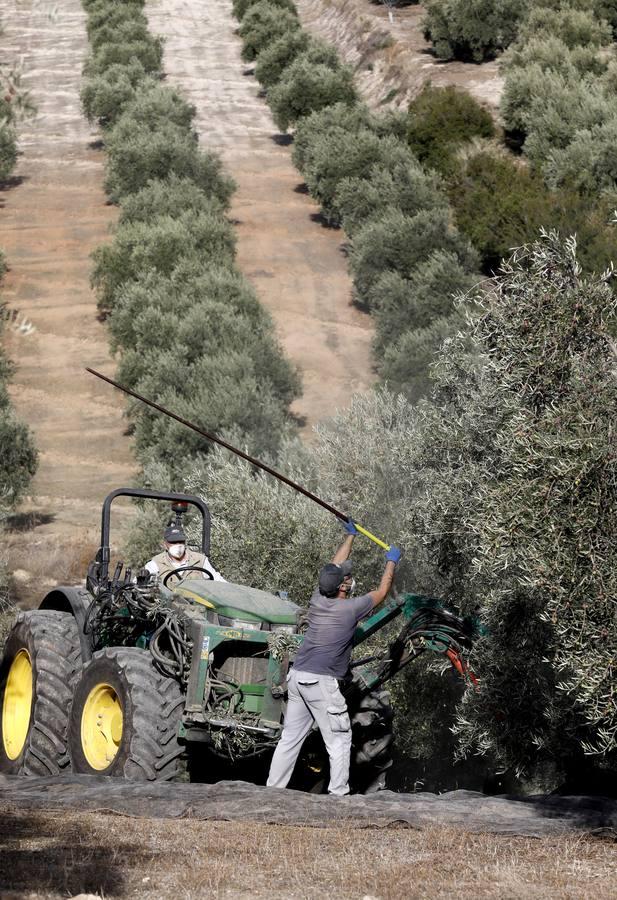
(125, 717)
(38, 672)
(371, 750)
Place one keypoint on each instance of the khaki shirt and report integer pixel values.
(163, 563)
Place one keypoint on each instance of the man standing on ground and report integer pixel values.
(312, 687)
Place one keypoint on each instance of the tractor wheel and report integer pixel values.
(125, 717)
(371, 751)
(40, 666)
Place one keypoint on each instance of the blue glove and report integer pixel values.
(394, 554)
(350, 527)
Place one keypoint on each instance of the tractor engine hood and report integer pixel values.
(237, 601)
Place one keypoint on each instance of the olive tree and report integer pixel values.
(104, 14)
(188, 285)
(389, 185)
(306, 87)
(105, 97)
(338, 155)
(137, 155)
(262, 24)
(331, 122)
(241, 7)
(148, 52)
(274, 59)
(159, 246)
(472, 29)
(171, 196)
(409, 304)
(399, 243)
(588, 164)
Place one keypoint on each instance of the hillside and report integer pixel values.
(393, 59)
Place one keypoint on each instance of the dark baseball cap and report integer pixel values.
(174, 535)
(332, 575)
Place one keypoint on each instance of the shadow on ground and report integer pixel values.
(39, 853)
(283, 140)
(26, 521)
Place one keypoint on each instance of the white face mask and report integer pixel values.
(177, 550)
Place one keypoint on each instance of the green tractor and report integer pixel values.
(133, 678)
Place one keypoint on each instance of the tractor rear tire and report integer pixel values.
(38, 672)
(371, 750)
(125, 717)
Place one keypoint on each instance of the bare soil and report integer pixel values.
(295, 264)
(393, 60)
(58, 855)
(54, 213)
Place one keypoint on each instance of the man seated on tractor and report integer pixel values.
(176, 555)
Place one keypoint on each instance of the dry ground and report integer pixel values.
(53, 214)
(57, 855)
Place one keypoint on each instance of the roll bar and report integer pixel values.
(104, 553)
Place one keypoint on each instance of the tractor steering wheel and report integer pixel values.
(187, 569)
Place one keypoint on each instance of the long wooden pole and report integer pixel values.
(254, 462)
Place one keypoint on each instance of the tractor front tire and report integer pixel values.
(39, 668)
(125, 718)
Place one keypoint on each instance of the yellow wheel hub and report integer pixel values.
(17, 705)
(101, 726)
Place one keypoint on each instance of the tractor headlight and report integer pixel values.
(238, 623)
(253, 626)
(286, 629)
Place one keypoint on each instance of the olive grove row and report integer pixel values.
(187, 327)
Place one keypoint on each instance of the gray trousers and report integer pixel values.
(314, 698)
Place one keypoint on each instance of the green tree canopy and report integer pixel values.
(439, 120)
(274, 59)
(306, 86)
(159, 246)
(398, 243)
(149, 52)
(521, 467)
(262, 24)
(105, 97)
(138, 154)
(502, 488)
(472, 29)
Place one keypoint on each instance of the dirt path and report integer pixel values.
(295, 264)
(50, 223)
(393, 60)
